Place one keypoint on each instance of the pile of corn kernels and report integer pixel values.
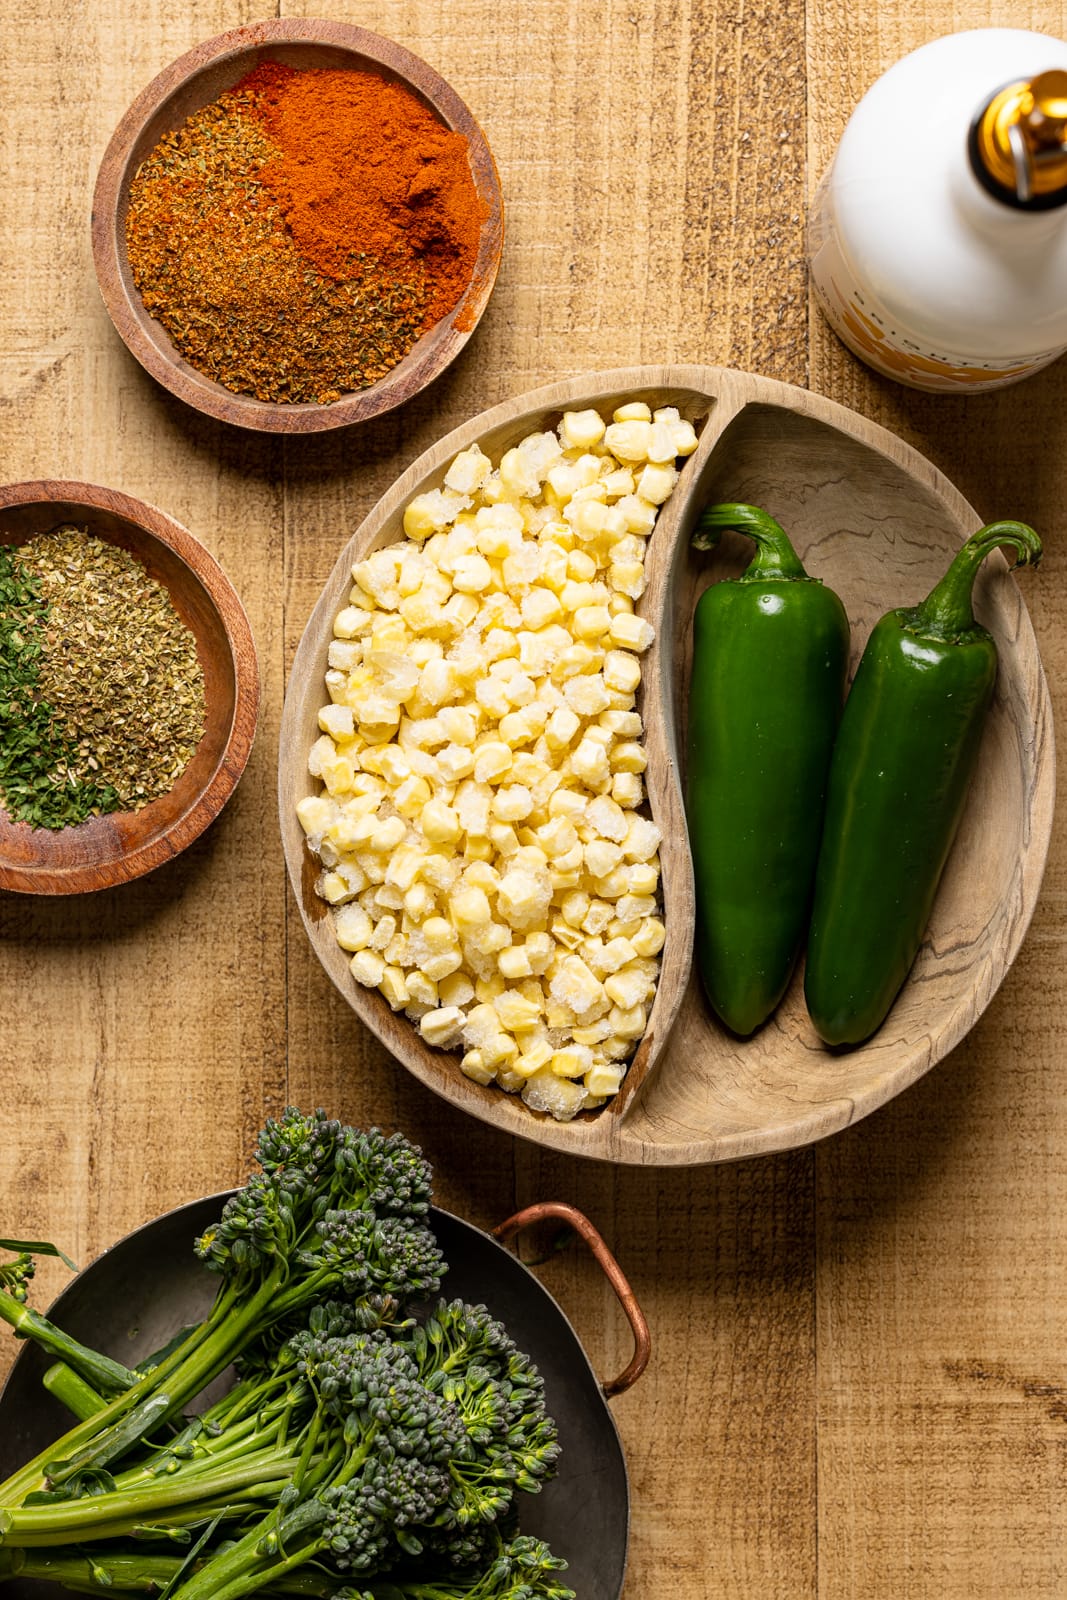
(480, 826)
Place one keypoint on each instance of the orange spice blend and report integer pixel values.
(296, 236)
(365, 170)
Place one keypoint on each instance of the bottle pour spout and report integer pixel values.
(1018, 143)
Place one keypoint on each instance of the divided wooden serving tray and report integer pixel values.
(877, 521)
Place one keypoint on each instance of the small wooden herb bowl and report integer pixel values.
(876, 520)
(195, 80)
(108, 850)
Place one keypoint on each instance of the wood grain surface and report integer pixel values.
(858, 1388)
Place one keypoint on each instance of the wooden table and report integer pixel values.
(859, 1389)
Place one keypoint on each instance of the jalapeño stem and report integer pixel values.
(775, 557)
(948, 612)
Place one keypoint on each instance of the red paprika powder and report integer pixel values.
(365, 169)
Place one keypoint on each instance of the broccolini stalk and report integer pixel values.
(105, 1375)
(72, 1391)
(334, 1209)
(522, 1569)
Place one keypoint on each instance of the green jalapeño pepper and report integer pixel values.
(770, 653)
(902, 765)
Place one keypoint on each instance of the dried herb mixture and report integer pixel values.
(101, 690)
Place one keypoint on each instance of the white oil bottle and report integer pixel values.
(937, 241)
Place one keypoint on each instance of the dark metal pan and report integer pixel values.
(137, 1295)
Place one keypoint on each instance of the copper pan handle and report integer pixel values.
(611, 1270)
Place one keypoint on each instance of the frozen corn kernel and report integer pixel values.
(628, 756)
(388, 834)
(469, 908)
(480, 835)
(524, 896)
(629, 437)
(628, 578)
(424, 991)
(591, 622)
(656, 482)
(565, 933)
(473, 1066)
(514, 962)
(455, 761)
(581, 430)
(604, 1079)
(638, 515)
(512, 803)
(492, 760)
(334, 889)
(568, 803)
(352, 927)
(315, 813)
(439, 935)
(573, 1061)
(627, 987)
(601, 858)
(642, 839)
(590, 763)
(561, 727)
(539, 949)
(631, 633)
(562, 1098)
(517, 1013)
(442, 1027)
(439, 823)
(650, 939)
(337, 721)
(609, 820)
(486, 939)
(643, 878)
(394, 987)
(468, 471)
(628, 1023)
(540, 607)
(455, 990)
(350, 622)
(367, 967)
(575, 986)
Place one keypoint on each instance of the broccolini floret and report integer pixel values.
(368, 1450)
(305, 1227)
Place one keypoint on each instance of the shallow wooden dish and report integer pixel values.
(104, 851)
(879, 522)
(193, 81)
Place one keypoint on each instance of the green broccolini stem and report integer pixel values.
(256, 1478)
(110, 1377)
(115, 1571)
(181, 1376)
(72, 1391)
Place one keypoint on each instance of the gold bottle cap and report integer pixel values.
(1021, 138)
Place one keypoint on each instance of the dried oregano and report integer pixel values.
(101, 690)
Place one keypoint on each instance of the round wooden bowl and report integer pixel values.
(878, 522)
(198, 78)
(104, 851)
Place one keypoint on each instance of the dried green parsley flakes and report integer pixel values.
(101, 689)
